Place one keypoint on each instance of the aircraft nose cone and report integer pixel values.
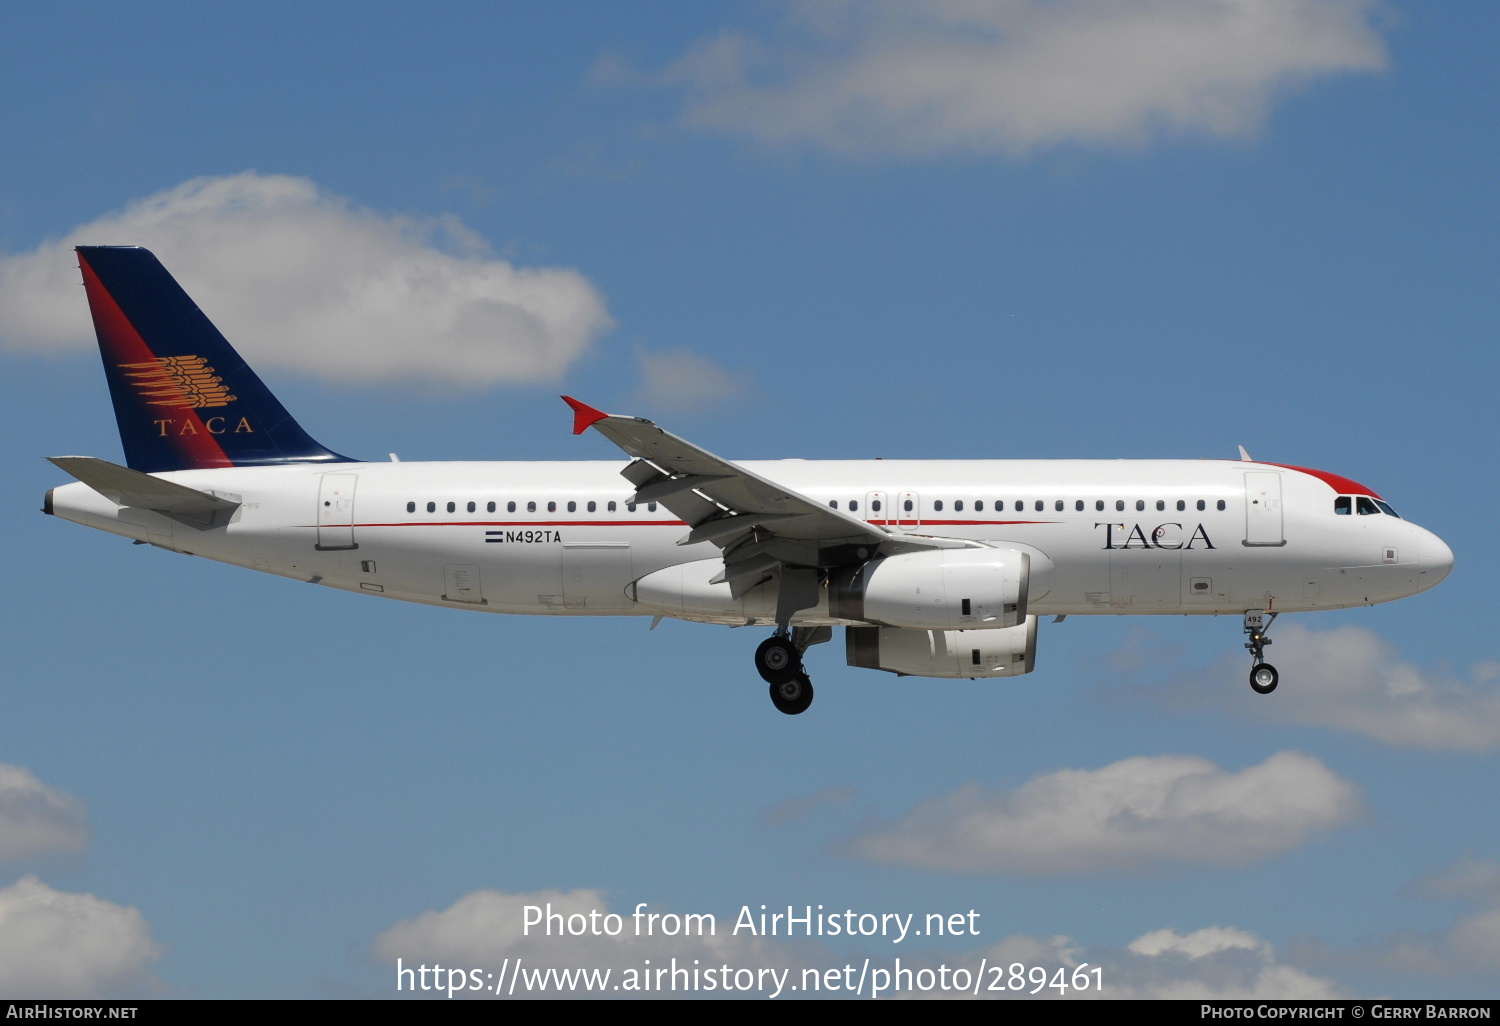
(1435, 560)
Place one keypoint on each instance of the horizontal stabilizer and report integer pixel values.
(126, 487)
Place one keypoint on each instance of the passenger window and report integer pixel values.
(1040, 505)
(1202, 505)
(611, 506)
(958, 505)
(853, 506)
(979, 505)
(907, 506)
(531, 507)
(592, 506)
(630, 507)
(1386, 507)
(1181, 505)
(1058, 506)
(490, 508)
(875, 506)
(1140, 505)
(1343, 505)
(452, 507)
(1099, 505)
(411, 507)
(1365, 506)
(1119, 505)
(551, 507)
(572, 506)
(472, 507)
(432, 507)
(510, 507)
(1221, 504)
(651, 507)
(1078, 506)
(833, 504)
(938, 505)
(1160, 506)
(1020, 506)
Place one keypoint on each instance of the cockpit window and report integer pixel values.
(1343, 505)
(1366, 506)
(1386, 506)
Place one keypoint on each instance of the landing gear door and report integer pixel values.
(1263, 508)
(336, 511)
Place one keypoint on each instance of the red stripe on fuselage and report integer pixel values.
(657, 523)
(526, 523)
(121, 343)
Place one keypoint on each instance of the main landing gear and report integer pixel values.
(1263, 676)
(779, 662)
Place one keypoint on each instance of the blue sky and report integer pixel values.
(1076, 229)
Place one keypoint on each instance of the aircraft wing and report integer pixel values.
(758, 523)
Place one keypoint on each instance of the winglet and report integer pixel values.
(584, 415)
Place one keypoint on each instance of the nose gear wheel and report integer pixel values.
(1263, 676)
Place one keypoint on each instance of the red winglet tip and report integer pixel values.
(584, 415)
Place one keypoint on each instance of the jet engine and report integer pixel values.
(997, 652)
(946, 588)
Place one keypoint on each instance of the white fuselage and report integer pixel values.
(1109, 537)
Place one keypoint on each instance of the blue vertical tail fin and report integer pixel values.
(184, 399)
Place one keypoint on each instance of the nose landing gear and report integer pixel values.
(779, 662)
(1263, 676)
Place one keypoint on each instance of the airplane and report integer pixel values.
(935, 568)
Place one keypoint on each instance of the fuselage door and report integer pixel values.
(1263, 508)
(336, 511)
(878, 508)
(909, 511)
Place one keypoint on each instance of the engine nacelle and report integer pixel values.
(943, 589)
(1002, 652)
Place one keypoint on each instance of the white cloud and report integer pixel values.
(298, 278)
(1469, 878)
(825, 801)
(680, 380)
(1215, 963)
(890, 76)
(1352, 679)
(36, 819)
(1470, 947)
(1129, 815)
(1198, 944)
(55, 944)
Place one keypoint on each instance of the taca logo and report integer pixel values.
(1162, 536)
(182, 382)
